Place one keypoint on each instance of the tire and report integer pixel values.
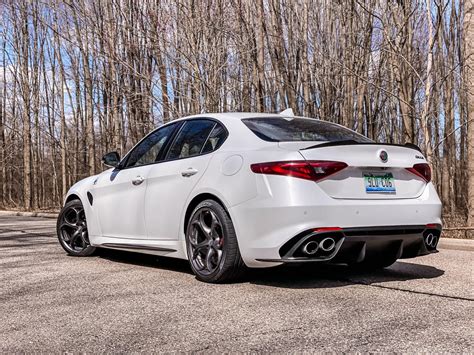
(211, 244)
(71, 229)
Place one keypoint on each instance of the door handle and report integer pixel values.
(138, 180)
(189, 172)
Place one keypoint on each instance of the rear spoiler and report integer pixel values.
(353, 142)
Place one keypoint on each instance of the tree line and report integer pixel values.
(80, 78)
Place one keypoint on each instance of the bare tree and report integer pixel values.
(469, 85)
(83, 77)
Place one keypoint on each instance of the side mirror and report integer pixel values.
(111, 159)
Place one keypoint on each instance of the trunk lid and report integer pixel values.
(368, 174)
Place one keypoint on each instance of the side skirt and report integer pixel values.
(136, 246)
(170, 248)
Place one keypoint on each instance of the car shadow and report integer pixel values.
(13, 238)
(290, 276)
(326, 276)
(147, 260)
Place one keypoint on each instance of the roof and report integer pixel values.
(236, 115)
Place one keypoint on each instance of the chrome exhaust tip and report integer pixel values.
(429, 239)
(311, 248)
(434, 241)
(327, 244)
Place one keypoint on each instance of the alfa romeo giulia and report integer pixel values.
(235, 190)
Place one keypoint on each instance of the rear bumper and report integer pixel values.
(356, 245)
(286, 207)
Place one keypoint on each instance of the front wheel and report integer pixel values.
(211, 244)
(72, 229)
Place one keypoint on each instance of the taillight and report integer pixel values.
(422, 170)
(309, 170)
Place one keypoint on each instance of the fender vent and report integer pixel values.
(90, 198)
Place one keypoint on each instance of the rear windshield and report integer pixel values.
(276, 129)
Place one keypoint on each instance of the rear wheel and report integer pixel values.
(72, 229)
(211, 244)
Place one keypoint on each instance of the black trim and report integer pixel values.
(137, 247)
(379, 231)
(172, 141)
(124, 161)
(163, 152)
(169, 142)
(90, 198)
(360, 243)
(205, 142)
(353, 142)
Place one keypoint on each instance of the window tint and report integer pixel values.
(216, 138)
(276, 129)
(148, 150)
(190, 139)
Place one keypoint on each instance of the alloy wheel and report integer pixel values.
(206, 241)
(73, 229)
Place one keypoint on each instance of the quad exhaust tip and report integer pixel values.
(431, 240)
(326, 245)
(311, 247)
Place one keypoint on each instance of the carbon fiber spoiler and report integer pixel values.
(352, 142)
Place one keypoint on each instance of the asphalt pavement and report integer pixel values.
(126, 302)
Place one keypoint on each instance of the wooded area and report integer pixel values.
(80, 78)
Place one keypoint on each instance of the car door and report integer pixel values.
(119, 195)
(171, 182)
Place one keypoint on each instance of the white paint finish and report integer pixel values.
(119, 204)
(266, 210)
(232, 165)
(167, 193)
(80, 189)
(349, 184)
(264, 224)
(366, 155)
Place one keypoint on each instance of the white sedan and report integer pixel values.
(234, 190)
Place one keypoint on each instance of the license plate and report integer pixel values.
(379, 183)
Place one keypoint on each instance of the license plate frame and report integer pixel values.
(381, 183)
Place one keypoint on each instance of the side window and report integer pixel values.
(216, 138)
(191, 138)
(148, 150)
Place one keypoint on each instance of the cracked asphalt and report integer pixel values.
(124, 302)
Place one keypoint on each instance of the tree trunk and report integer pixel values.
(25, 85)
(469, 87)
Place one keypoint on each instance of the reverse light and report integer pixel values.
(422, 170)
(314, 170)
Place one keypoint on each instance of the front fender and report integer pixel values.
(80, 190)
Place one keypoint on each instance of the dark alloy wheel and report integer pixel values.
(72, 229)
(212, 247)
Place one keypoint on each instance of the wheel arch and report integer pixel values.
(71, 197)
(196, 201)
